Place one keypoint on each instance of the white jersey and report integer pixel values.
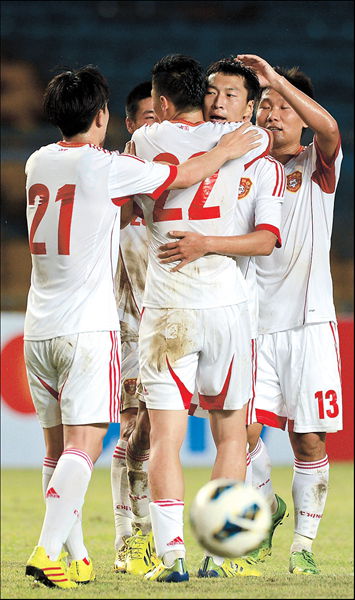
(206, 208)
(131, 275)
(295, 284)
(259, 205)
(73, 195)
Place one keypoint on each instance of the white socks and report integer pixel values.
(120, 494)
(261, 472)
(309, 492)
(64, 499)
(75, 541)
(167, 523)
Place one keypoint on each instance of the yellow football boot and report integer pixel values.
(52, 573)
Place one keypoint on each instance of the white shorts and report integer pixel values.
(250, 416)
(130, 372)
(207, 349)
(75, 379)
(298, 379)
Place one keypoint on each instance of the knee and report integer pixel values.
(309, 446)
(127, 428)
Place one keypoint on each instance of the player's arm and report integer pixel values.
(231, 145)
(190, 246)
(127, 213)
(312, 114)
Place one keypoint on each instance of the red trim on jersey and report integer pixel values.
(267, 151)
(49, 389)
(188, 122)
(135, 157)
(324, 175)
(192, 409)
(273, 229)
(72, 144)
(184, 392)
(279, 189)
(121, 200)
(216, 402)
(167, 182)
(267, 417)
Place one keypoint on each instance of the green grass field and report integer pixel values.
(23, 510)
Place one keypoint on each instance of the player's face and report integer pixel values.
(276, 115)
(145, 115)
(227, 99)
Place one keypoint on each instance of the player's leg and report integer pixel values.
(268, 407)
(313, 395)
(309, 492)
(140, 546)
(168, 346)
(119, 487)
(168, 428)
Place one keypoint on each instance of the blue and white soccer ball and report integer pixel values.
(230, 518)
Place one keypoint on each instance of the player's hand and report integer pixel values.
(263, 70)
(240, 141)
(130, 148)
(188, 247)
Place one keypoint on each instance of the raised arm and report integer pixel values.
(312, 114)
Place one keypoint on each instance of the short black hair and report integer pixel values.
(299, 79)
(230, 66)
(73, 98)
(180, 78)
(140, 92)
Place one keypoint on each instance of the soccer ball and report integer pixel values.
(230, 518)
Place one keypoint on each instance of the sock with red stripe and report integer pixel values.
(64, 499)
(261, 472)
(168, 529)
(309, 492)
(75, 541)
(122, 510)
(138, 487)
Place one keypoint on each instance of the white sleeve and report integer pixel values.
(131, 175)
(271, 181)
(262, 150)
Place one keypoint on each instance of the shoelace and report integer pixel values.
(309, 558)
(136, 547)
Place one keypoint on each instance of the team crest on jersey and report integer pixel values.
(130, 386)
(244, 187)
(294, 181)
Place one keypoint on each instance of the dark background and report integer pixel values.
(124, 39)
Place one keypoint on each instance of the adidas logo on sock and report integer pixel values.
(176, 540)
(51, 493)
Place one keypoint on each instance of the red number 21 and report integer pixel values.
(65, 196)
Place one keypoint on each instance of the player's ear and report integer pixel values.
(164, 103)
(248, 113)
(100, 118)
(130, 125)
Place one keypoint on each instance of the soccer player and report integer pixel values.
(129, 286)
(232, 91)
(194, 318)
(72, 345)
(298, 379)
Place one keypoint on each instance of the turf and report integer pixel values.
(22, 514)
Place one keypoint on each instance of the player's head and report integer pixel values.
(232, 91)
(73, 100)
(178, 85)
(139, 107)
(276, 115)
